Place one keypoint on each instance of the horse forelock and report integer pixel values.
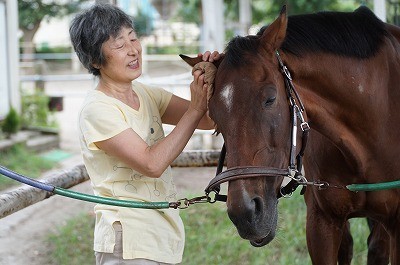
(238, 47)
(356, 34)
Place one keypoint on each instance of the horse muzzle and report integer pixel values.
(255, 218)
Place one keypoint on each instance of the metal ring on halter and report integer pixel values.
(285, 195)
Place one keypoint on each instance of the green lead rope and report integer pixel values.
(181, 204)
(109, 201)
(375, 186)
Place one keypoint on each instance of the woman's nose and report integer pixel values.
(133, 49)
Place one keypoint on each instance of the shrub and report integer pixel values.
(35, 111)
(12, 122)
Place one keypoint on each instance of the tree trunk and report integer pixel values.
(28, 49)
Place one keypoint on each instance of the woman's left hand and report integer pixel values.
(210, 57)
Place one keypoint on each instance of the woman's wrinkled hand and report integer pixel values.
(198, 89)
(210, 57)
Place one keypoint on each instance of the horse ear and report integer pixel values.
(275, 33)
(192, 61)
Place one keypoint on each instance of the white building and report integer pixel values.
(9, 57)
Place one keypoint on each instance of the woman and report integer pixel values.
(123, 145)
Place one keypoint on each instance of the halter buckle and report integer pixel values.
(285, 70)
(292, 173)
(304, 126)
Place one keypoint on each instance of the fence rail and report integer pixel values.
(20, 198)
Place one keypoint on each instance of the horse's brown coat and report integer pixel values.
(353, 109)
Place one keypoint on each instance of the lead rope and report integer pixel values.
(181, 204)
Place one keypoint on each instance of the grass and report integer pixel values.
(211, 238)
(23, 161)
(73, 243)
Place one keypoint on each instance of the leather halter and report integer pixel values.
(293, 172)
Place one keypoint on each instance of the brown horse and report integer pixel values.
(345, 71)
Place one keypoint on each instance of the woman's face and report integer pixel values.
(123, 56)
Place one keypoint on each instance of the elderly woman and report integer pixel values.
(123, 144)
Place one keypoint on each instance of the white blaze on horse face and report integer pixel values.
(227, 96)
(361, 88)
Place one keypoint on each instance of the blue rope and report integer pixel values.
(81, 196)
(31, 182)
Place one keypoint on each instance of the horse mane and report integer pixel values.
(357, 34)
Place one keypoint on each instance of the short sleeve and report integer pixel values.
(100, 121)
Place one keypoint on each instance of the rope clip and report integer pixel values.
(185, 202)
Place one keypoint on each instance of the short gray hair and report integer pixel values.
(91, 28)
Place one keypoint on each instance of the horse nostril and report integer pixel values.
(257, 205)
(248, 212)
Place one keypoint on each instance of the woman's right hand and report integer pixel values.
(198, 89)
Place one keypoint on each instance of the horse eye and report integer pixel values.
(269, 101)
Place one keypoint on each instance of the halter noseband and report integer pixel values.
(293, 172)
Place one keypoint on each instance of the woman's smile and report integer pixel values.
(134, 64)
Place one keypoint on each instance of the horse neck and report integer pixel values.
(326, 87)
(394, 30)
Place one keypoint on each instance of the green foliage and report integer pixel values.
(23, 161)
(186, 49)
(189, 11)
(393, 12)
(211, 238)
(12, 122)
(35, 111)
(142, 24)
(32, 12)
(303, 6)
(56, 49)
(265, 11)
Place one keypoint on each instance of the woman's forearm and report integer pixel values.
(168, 149)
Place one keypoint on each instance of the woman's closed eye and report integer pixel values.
(118, 45)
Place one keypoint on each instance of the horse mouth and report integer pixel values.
(269, 236)
(262, 241)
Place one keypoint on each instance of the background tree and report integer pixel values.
(189, 11)
(143, 24)
(265, 11)
(31, 13)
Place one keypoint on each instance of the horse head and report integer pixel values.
(250, 107)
